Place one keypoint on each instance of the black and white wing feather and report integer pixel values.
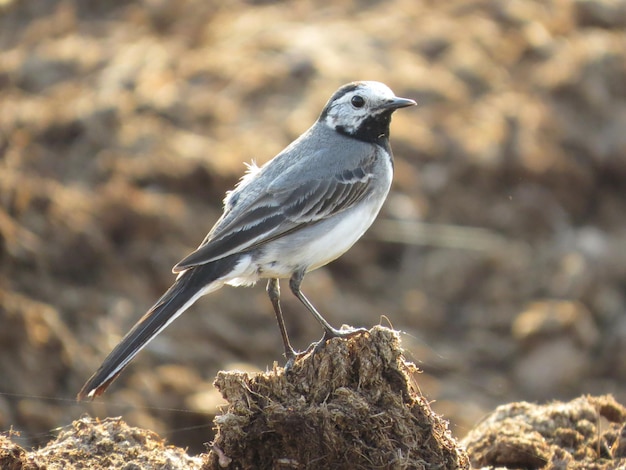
(280, 209)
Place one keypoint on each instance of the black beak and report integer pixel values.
(397, 103)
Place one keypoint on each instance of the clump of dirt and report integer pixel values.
(585, 433)
(352, 405)
(13, 457)
(111, 443)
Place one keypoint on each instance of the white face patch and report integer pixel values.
(351, 109)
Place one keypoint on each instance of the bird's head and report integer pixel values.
(362, 110)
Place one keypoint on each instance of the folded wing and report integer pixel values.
(284, 207)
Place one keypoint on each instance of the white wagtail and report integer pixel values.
(301, 210)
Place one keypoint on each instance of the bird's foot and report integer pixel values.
(334, 333)
(314, 348)
(293, 355)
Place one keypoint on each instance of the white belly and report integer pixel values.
(331, 244)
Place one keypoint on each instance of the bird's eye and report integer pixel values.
(357, 101)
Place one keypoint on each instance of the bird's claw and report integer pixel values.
(293, 355)
(334, 333)
(314, 348)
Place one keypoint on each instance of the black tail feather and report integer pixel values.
(184, 292)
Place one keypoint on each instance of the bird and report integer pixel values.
(301, 210)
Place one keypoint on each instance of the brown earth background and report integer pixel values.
(122, 124)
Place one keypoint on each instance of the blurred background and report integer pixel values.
(500, 254)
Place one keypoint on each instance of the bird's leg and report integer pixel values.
(329, 331)
(273, 291)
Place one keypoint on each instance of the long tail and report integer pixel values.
(189, 286)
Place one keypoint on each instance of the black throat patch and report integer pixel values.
(373, 129)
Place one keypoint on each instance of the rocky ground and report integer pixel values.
(122, 124)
